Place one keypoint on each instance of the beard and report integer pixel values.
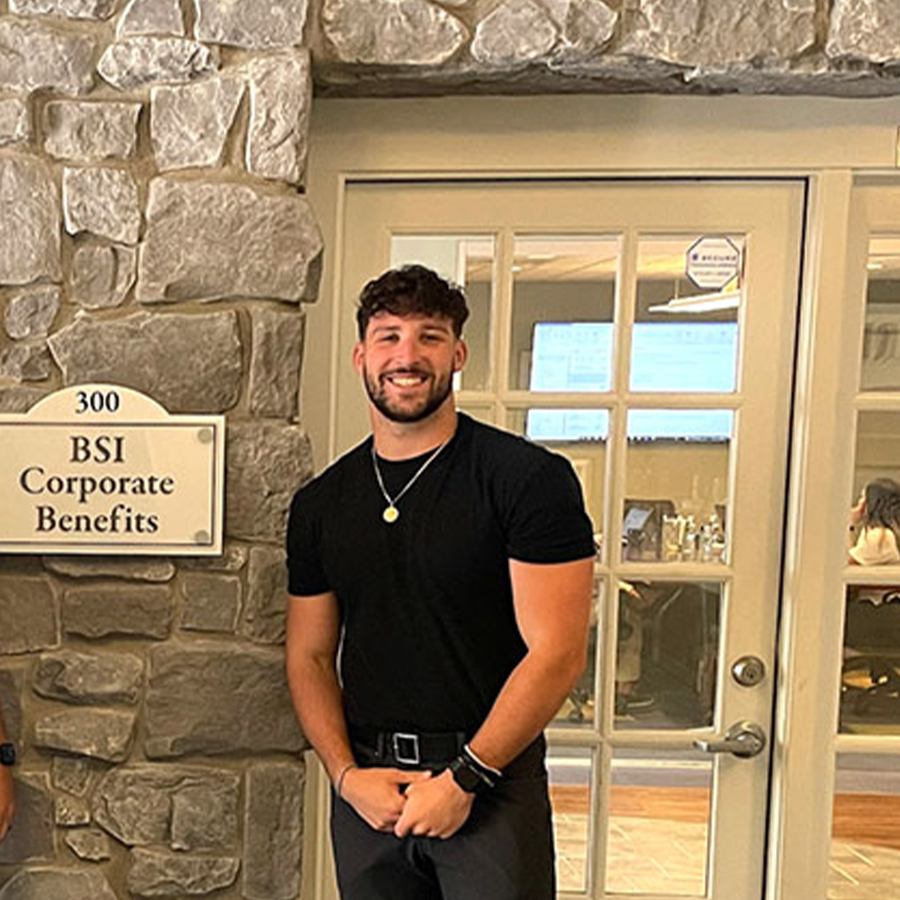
(407, 411)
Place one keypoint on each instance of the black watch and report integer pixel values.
(467, 776)
(7, 754)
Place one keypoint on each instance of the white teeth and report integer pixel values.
(406, 381)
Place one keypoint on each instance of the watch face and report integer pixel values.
(465, 777)
(7, 754)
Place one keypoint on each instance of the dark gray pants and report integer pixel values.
(503, 852)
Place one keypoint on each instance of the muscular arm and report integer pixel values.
(7, 799)
(313, 634)
(552, 604)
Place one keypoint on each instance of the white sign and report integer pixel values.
(102, 469)
(712, 262)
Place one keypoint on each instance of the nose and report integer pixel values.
(406, 352)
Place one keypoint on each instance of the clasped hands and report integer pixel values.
(406, 802)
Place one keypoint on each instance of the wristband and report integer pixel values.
(339, 784)
(469, 753)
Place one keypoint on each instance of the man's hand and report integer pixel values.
(378, 794)
(437, 807)
(7, 800)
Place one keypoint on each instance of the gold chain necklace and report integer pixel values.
(390, 514)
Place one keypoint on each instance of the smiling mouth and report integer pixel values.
(406, 380)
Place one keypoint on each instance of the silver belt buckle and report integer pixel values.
(406, 748)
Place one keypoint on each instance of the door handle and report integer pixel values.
(743, 739)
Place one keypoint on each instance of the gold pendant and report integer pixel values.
(390, 514)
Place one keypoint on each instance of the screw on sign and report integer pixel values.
(712, 262)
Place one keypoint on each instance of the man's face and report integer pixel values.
(407, 364)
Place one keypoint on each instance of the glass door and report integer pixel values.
(645, 330)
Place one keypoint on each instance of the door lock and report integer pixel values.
(748, 671)
(743, 739)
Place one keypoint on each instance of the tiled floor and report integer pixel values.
(658, 856)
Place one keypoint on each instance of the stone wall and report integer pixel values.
(391, 47)
(154, 233)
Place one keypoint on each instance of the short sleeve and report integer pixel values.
(875, 547)
(306, 574)
(547, 522)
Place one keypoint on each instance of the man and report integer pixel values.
(7, 799)
(448, 567)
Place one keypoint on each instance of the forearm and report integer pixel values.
(530, 698)
(316, 695)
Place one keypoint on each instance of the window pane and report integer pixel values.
(865, 847)
(875, 513)
(667, 644)
(676, 485)
(659, 823)
(570, 770)
(881, 344)
(870, 677)
(466, 260)
(685, 335)
(563, 309)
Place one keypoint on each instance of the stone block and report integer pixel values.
(155, 874)
(15, 121)
(186, 362)
(275, 360)
(156, 570)
(189, 123)
(133, 62)
(90, 131)
(30, 313)
(89, 677)
(266, 463)
(280, 103)
(214, 698)
(37, 57)
(31, 840)
(26, 362)
(89, 844)
(391, 32)
(151, 17)
(57, 884)
(72, 774)
(211, 602)
(102, 275)
(867, 30)
(103, 734)
(207, 241)
(255, 24)
(28, 620)
(71, 812)
(11, 702)
(515, 33)
(273, 832)
(233, 559)
(715, 36)
(587, 27)
(183, 807)
(130, 611)
(20, 399)
(69, 9)
(29, 219)
(103, 202)
(267, 596)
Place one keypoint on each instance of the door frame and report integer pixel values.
(501, 138)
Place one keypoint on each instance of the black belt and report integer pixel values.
(410, 748)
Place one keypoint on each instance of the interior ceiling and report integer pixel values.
(578, 259)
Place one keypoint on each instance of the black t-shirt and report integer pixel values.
(430, 634)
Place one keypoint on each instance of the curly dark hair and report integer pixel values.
(412, 290)
(883, 504)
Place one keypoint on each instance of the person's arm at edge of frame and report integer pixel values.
(7, 793)
(553, 604)
(313, 635)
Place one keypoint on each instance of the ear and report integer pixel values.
(359, 356)
(460, 355)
